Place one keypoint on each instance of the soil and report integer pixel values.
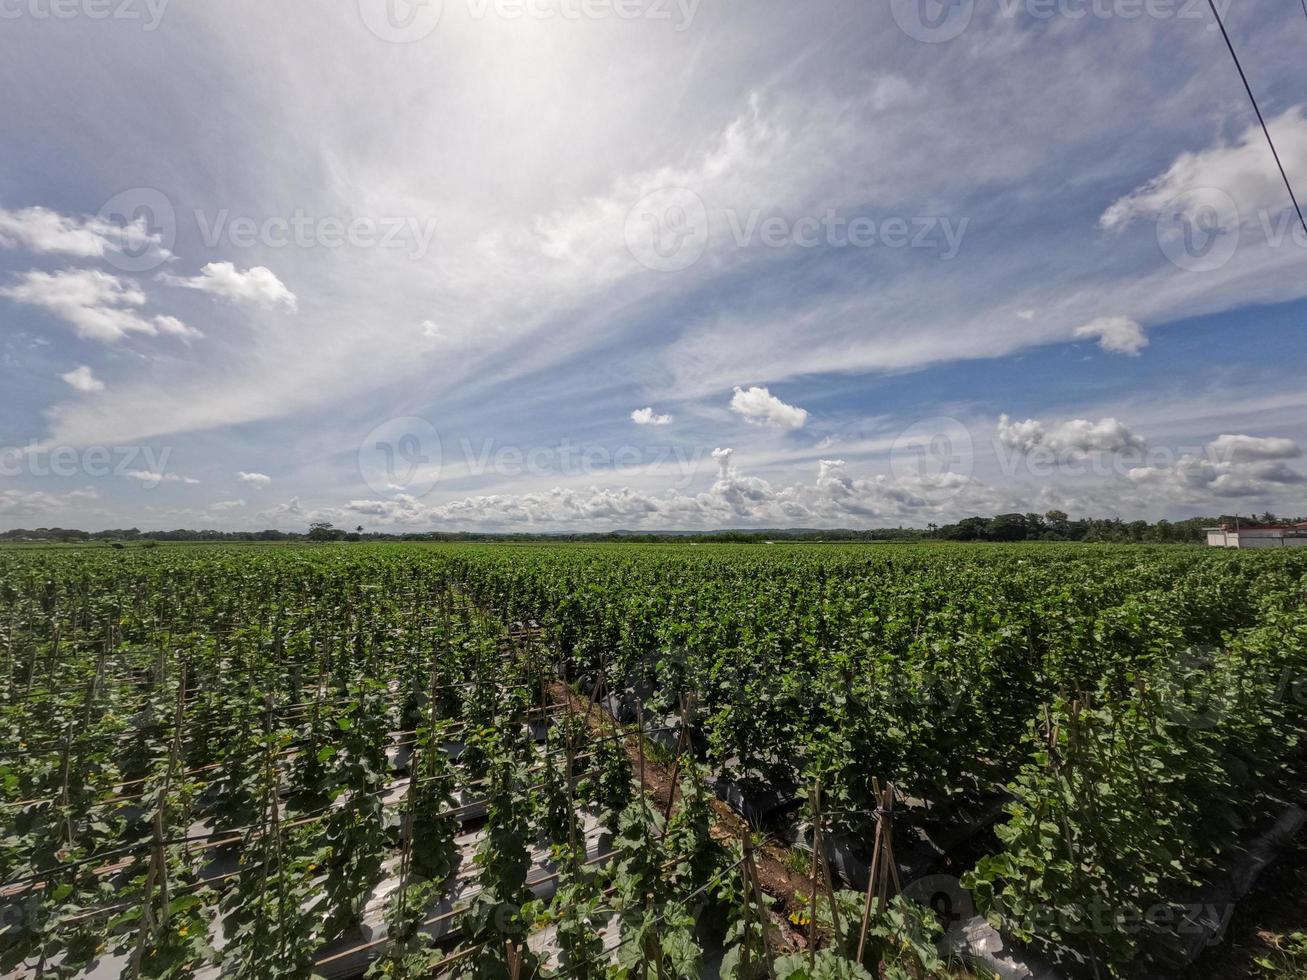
(659, 783)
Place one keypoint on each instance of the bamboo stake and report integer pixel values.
(751, 881)
(687, 708)
(639, 742)
(812, 897)
(745, 952)
(823, 867)
(883, 866)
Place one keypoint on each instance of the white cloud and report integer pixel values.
(257, 285)
(1117, 334)
(259, 480)
(1192, 478)
(1026, 315)
(40, 502)
(646, 416)
(1230, 466)
(154, 479)
(838, 498)
(226, 505)
(82, 379)
(171, 325)
(758, 406)
(43, 231)
(1076, 436)
(834, 497)
(1242, 170)
(1247, 449)
(98, 305)
(291, 512)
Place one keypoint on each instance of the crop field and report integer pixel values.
(640, 761)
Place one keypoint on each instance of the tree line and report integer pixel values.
(1054, 525)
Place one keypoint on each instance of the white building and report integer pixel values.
(1258, 536)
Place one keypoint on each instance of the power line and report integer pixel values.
(1249, 89)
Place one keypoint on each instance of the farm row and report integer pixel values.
(267, 762)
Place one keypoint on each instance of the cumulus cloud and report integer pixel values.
(1230, 466)
(259, 480)
(40, 502)
(1245, 449)
(1076, 436)
(82, 379)
(258, 285)
(45, 232)
(758, 406)
(1192, 477)
(292, 511)
(1117, 334)
(98, 305)
(646, 416)
(735, 498)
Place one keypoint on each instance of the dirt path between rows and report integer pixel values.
(789, 889)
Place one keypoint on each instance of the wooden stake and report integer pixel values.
(884, 868)
(751, 882)
(823, 868)
(682, 738)
(814, 803)
(639, 744)
(513, 957)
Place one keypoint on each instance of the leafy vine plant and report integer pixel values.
(351, 755)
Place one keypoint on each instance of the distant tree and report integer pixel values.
(324, 531)
(1008, 527)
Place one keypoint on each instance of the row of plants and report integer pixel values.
(307, 762)
(311, 742)
(1143, 706)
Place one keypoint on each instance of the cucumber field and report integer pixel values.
(640, 761)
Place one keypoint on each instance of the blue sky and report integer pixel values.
(595, 264)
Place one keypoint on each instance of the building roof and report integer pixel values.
(1259, 527)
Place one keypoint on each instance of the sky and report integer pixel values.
(544, 265)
